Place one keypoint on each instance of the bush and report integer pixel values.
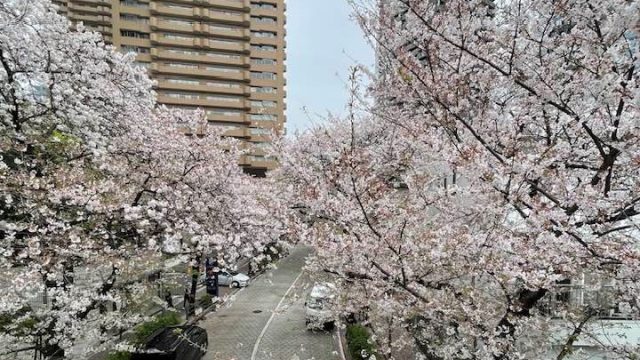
(144, 330)
(205, 300)
(120, 355)
(358, 342)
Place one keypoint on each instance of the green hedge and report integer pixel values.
(120, 355)
(205, 300)
(358, 342)
(144, 330)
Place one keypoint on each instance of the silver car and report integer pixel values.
(233, 279)
(319, 308)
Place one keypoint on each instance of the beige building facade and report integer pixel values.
(224, 56)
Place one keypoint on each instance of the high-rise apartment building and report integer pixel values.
(224, 56)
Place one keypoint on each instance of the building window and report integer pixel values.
(261, 145)
(263, 47)
(224, 112)
(183, 22)
(183, 96)
(261, 5)
(134, 34)
(224, 69)
(224, 27)
(259, 131)
(260, 61)
(263, 117)
(227, 13)
(264, 19)
(176, 6)
(183, 81)
(226, 41)
(183, 66)
(133, 3)
(134, 18)
(142, 64)
(263, 90)
(135, 49)
(176, 36)
(264, 34)
(223, 98)
(263, 103)
(263, 75)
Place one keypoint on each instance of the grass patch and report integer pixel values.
(144, 330)
(358, 342)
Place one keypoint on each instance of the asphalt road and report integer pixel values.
(266, 319)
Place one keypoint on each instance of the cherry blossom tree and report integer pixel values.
(95, 179)
(498, 161)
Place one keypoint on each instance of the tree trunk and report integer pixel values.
(195, 274)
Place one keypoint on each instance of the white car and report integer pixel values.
(319, 308)
(233, 279)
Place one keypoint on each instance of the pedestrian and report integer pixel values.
(168, 298)
(186, 303)
(251, 268)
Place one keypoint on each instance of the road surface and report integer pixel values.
(265, 321)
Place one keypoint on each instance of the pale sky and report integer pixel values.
(322, 42)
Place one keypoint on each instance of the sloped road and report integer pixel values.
(265, 321)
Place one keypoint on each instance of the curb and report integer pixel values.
(341, 341)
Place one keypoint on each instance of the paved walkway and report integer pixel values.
(247, 320)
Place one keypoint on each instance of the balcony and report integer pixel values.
(240, 132)
(267, 83)
(264, 26)
(200, 29)
(104, 30)
(259, 162)
(90, 19)
(232, 33)
(132, 41)
(237, 5)
(140, 11)
(202, 102)
(200, 43)
(241, 119)
(272, 68)
(194, 56)
(200, 72)
(91, 10)
(265, 12)
(95, 2)
(136, 26)
(266, 96)
(278, 54)
(200, 13)
(164, 84)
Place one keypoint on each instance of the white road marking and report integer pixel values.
(273, 313)
(340, 345)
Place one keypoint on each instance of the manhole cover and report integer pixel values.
(257, 311)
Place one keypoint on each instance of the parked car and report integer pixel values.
(319, 308)
(174, 343)
(233, 279)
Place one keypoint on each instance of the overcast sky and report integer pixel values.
(322, 42)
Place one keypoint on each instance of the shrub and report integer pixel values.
(119, 355)
(144, 330)
(205, 300)
(358, 342)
